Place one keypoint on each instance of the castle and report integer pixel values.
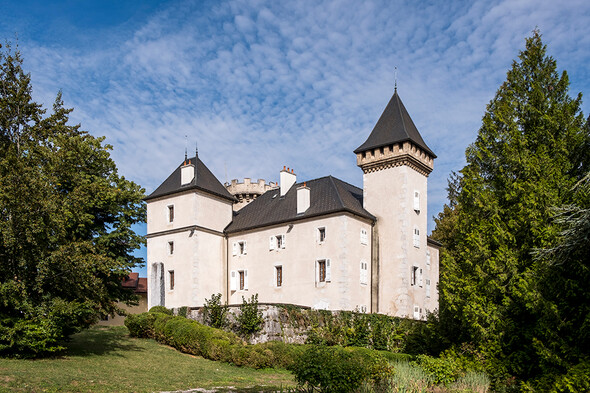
(321, 243)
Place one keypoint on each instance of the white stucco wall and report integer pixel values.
(298, 260)
(199, 246)
(389, 195)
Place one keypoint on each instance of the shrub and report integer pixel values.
(250, 319)
(141, 325)
(442, 370)
(161, 309)
(214, 313)
(336, 369)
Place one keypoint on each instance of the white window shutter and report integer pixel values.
(416, 237)
(417, 201)
(328, 270)
(244, 247)
(428, 257)
(420, 278)
(427, 288)
(245, 279)
(317, 271)
(284, 242)
(272, 243)
(235, 250)
(233, 282)
(416, 312)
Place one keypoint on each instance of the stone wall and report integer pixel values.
(278, 323)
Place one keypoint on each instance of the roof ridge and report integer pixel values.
(337, 191)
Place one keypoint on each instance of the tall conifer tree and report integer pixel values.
(527, 157)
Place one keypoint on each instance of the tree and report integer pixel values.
(527, 156)
(66, 240)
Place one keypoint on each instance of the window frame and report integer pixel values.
(278, 276)
(171, 282)
(321, 235)
(171, 247)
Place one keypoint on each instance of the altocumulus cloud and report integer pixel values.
(264, 84)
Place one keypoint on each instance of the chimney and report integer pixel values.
(303, 199)
(187, 173)
(287, 179)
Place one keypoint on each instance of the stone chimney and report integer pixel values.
(303, 199)
(187, 173)
(287, 179)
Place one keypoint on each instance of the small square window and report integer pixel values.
(364, 236)
(170, 213)
(321, 235)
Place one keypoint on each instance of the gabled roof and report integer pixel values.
(394, 126)
(205, 181)
(327, 195)
(133, 281)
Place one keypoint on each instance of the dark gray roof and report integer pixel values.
(205, 181)
(327, 195)
(394, 126)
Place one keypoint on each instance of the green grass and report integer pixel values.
(106, 359)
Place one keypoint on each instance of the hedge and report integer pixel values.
(189, 336)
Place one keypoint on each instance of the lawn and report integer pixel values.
(106, 359)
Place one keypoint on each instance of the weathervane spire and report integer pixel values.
(196, 149)
(185, 147)
(395, 79)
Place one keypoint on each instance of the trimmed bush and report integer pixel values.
(161, 309)
(337, 369)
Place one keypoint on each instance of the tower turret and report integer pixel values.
(396, 163)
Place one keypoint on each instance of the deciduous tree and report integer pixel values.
(66, 240)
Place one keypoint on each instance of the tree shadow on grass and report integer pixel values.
(101, 340)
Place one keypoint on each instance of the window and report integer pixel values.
(414, 275)
(416, 312)
(171, 276)
(323, 271)
(170, 213)
(364, 273)
(416, 237)
(364, 236)
(428, 258)
(243, 277)
(420, 281)
(321, 235)
(417, 201)
(279, 276)
(239, 248)
(427, 288)
(277, 242)
(170, 248)
(363, 308)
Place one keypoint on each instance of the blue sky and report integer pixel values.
(262, 84)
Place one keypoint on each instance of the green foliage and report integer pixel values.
(65, 221)
(215, 313)
(183, 311)
(250, 319)
(530, 151)
(441, 370)
(336, 369)
(161, 309)
(576, 380)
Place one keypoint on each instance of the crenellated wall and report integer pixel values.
(247, 191)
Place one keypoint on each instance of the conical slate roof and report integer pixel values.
(394, 126)
(205, 181)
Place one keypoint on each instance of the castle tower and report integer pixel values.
(396, 163)
(247, 191)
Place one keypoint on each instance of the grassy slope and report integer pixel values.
(108, 360)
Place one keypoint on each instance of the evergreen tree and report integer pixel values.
(66, 240)
(525, 160)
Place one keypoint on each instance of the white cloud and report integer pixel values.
(266, 84)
